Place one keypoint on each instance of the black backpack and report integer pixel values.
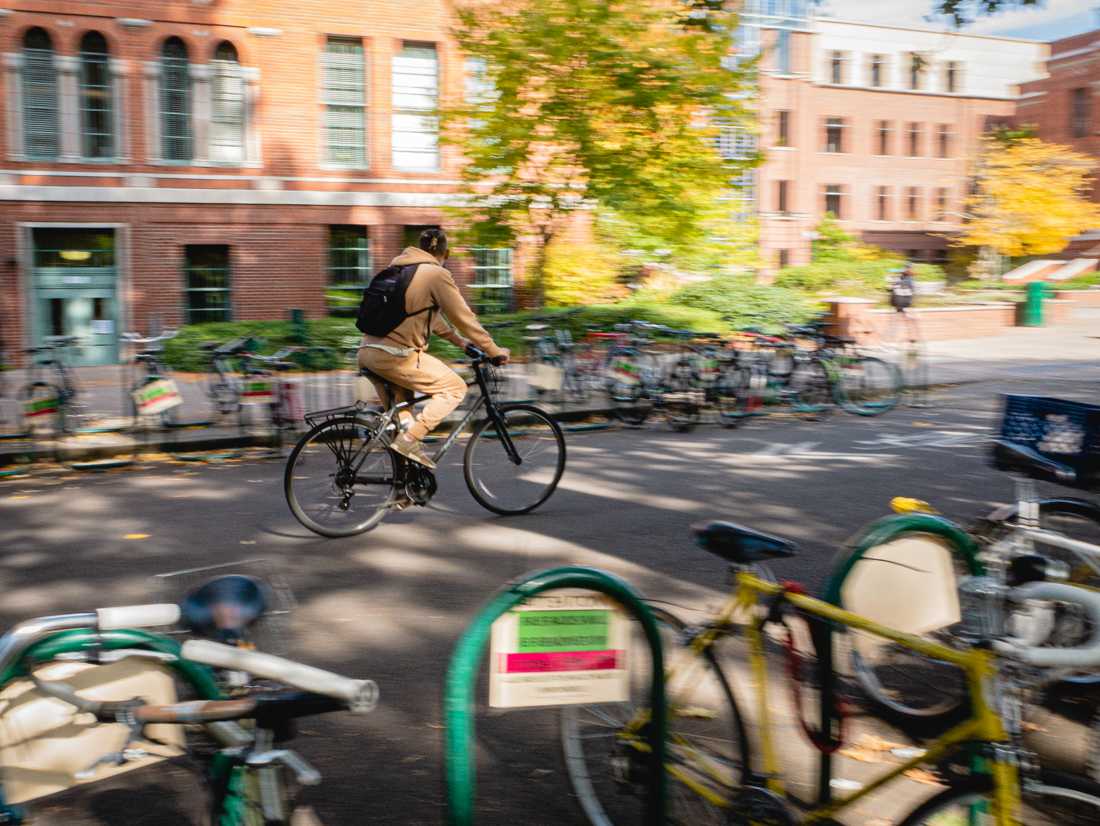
(383, 306)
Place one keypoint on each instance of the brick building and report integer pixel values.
(876, 124)
(1062, 104)
(224, 160)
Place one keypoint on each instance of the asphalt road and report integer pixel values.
(390, 604)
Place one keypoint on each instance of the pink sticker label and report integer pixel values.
(563, 661)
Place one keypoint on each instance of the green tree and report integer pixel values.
(611, 105)
(1031, 198)
(964, 11)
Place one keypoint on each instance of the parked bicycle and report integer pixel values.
(209, 698)
(957, 570)
(11, 410)
(340, 479)
(714, 775)
(151, 393)
(51, 397)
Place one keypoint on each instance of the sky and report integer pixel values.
(1050, 20)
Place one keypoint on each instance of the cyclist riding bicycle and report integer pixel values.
(395, 338)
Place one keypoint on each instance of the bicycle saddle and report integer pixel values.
(740, 545)
(223, 608)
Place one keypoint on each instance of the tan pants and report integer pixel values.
(415, 373)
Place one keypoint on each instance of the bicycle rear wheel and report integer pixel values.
(866, 386)
(339, 480)
(1055, 800)
(708, 754)
(512, 487)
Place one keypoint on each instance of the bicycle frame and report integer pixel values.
(984, 725)
(484, 400)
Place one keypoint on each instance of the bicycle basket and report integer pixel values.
(1060, 431)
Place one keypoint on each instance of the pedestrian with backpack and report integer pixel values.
(902, 287)
(403, 305)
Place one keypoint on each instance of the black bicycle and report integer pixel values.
(341, 480)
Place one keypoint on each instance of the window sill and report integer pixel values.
(782, 148)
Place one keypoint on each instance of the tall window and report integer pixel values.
(784, 258)
(206, 283)
(943, 140)
(834, 134)
(912, 199)
(836, 67)
(882, 203)
(735, 143)
(415, 97)
(783, 52)
(349, 268)
(95, 97)
(227, 111)
(175, 101)
(781, 189)
(878, 71)
(834, 199)
(345, 100)
(40, 126)
(491, 289)
(1079, 112)
(916, 70)
(952, 76)
(783, 128)
(941, 204)
(914, 140)
(883, 134)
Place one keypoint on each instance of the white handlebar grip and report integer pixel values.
(137, 616)
(1086, 655)
(360, 695)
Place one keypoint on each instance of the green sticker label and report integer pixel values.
(544, 631)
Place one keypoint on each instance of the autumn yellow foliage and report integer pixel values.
(576, 274)
(1032, 197)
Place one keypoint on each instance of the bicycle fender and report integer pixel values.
(891, 527)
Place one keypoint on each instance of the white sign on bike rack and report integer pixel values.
(560, 648)
(156, 397)
(546, 377)
(257, 391)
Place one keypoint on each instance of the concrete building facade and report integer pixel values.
(875, 124)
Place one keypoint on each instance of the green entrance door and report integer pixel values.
(75, 291)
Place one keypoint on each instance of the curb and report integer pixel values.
(14, 458)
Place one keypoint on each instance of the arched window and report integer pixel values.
(175, 101)
(95, 97)
(40, 119)
(227, 116)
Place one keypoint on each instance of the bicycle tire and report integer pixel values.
(614, 808)
(354, 429)
(1052, 788)
(481, 487)
(812, 397)
(871, 389)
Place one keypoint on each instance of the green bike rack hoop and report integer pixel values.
(462, 674)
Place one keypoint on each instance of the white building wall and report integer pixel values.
(990, 66)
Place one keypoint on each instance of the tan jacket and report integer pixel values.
(433, 284)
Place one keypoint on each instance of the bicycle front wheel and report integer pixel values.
(606, 753)
(867, 386)
(339, 480)
(513, 483)
(1056, 799)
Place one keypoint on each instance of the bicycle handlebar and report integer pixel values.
(137, 338)
(360, 695)
(477, 355)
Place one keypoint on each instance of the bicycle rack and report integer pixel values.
(462, 673)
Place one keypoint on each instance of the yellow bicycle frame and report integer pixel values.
(983, 726)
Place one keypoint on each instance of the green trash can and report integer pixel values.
(1031, 312)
